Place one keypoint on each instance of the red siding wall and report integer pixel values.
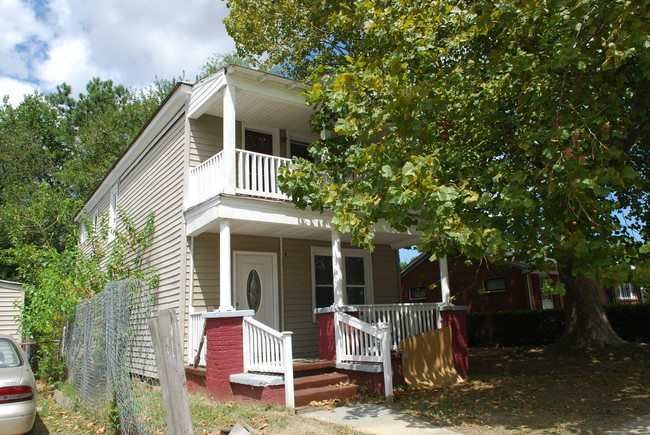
(466, 281)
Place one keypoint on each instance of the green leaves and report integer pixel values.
(500, 127)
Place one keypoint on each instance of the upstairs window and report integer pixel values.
(299, 148)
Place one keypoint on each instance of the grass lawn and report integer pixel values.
(528, 390)
(208, 418)
(511, 390)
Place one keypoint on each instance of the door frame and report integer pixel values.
(274, 284)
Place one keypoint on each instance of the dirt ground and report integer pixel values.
(530, 390)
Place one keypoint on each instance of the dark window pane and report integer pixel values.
(354, 273)
(323, 270)
(355, 295)
(300, 149)
(494, 284)
(324, 296)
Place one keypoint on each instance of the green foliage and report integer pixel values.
(499, 127)
(98, 127)
(220, 60)
(58, 281)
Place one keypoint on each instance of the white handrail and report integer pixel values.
(269, 351)
(406, 319)
(359, 341)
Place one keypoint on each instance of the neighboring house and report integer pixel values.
(481, 286)
(485, 287)
(226, 237)
(12, 298)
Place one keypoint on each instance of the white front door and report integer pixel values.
(256, 285)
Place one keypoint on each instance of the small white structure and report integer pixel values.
(12, 298)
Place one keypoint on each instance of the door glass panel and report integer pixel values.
(259, 142)
(253, 290)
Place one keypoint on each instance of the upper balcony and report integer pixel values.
(256, 175)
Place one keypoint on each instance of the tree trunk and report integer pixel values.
(586, 325)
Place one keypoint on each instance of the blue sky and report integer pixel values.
(44, 43)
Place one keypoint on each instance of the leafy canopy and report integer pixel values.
(507, 127)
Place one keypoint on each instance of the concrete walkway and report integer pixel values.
(381, 420)
(640, 425)
(378, 419)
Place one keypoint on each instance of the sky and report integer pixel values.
(44, 43)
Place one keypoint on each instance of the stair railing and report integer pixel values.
(269, 351)
(360, 342)
(406, 320)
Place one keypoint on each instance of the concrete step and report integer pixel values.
(320, 380)
(319, 394)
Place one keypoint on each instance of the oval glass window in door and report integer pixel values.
(253, 290)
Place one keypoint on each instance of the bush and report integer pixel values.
(631, 322)
(543, 327)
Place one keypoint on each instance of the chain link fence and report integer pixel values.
(110, 359)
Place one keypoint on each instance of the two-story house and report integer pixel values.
(226, 237)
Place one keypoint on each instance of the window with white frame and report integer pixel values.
(82, 232)
(112, 215)
(357, 280)
(626, 292)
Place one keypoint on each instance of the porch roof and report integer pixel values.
(261, 217)
(262, 99)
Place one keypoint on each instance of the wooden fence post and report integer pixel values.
(169, 358)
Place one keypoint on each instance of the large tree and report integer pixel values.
(517, 128)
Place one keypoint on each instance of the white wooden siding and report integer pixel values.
(10, 293)
(206, 138)
(155, 184)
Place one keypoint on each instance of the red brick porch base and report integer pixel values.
(225, 350)
(455, 316)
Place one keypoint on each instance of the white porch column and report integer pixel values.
(225, 268)
(337, 269)
(444, 279)
(229, 139)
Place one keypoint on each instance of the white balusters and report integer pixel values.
(269, 351)
(406, 320)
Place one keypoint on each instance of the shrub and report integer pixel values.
(543, 327)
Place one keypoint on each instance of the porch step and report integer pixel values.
(322, 380)
(306, 396)
(307, 367)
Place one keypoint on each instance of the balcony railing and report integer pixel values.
(256, 175)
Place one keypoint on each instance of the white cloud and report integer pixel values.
(129, 41)
(21, 36)
(15, 89)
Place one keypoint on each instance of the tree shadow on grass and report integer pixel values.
(532, 390)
